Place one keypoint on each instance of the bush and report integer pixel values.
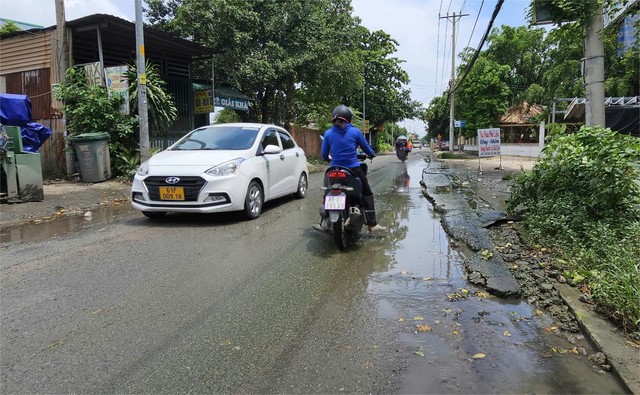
(88, 109)
(583, 198)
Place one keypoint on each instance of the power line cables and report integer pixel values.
(477, 53)
(474, 24)
(437, 50)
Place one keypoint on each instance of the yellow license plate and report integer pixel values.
(171, 193)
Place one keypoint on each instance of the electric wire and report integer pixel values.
(444, 55)
(477, 53)
(475, 23)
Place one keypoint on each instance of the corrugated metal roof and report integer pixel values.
(154, 39)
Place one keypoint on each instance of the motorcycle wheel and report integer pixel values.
(340, 235)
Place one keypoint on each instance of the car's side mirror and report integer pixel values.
(272, 149)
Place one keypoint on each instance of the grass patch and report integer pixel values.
(582, 199)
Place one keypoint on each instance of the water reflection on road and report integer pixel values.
(457, 339)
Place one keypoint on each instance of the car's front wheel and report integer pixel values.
(154, 214)
(302, 186)
(253, 201)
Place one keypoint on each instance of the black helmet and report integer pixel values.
(343, 113)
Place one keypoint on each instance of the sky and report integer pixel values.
(424, 39)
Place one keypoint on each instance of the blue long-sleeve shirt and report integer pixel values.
(343, 145)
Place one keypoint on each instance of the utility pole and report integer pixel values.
(364, 112)
(143, 115)
(594, 70)
(62, 64)
(453, 74)
(213, 87)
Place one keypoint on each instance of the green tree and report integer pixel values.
(160, 105)
(227, 115)
(562, 76)
(522, 49)
(436, 116)
(297, 58)
(9, 27)
(383, 77)
(483, 96)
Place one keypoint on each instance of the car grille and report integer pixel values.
(192, 186)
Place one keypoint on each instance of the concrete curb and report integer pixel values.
(605, 337)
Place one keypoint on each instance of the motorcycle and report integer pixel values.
(342, 212)
(402, 151)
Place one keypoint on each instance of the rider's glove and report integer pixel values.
(371, 157)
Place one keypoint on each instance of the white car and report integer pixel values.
(225, 167)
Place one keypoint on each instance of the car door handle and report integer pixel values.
(281, 156)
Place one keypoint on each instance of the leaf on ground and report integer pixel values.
(426, 278)
(465, 292)
(225, 343)
(545, 354)
(401, 319)
(419, 353)
(538, 312)
(506, 333)
(424, 328)
(486, 254)
(479, 356)
(482, 294)
(437, 321)
(418, 318)
(446, 311)
(403, 272)
(515, 316)
(550, 329)
(456, 333)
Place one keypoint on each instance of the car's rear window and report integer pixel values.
(218, 138)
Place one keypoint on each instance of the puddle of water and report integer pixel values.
(34, 232)
(442, 328)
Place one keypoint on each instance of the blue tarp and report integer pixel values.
(15, 110)
(33, 136)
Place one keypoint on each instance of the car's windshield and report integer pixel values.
(218, 138)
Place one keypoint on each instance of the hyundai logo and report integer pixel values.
(172, 180)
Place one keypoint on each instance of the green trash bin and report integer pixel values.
(92, 150)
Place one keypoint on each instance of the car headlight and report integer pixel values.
(226, 168)
(143, 170)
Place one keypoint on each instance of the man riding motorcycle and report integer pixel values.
(342, 141)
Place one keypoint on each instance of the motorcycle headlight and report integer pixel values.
(143, 170)
(226, 168)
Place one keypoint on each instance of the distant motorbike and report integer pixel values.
(402, 151)
(403, 147)
(342, 211)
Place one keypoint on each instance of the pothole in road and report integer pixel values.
(42, 230)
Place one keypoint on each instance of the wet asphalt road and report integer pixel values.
(212, 304)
